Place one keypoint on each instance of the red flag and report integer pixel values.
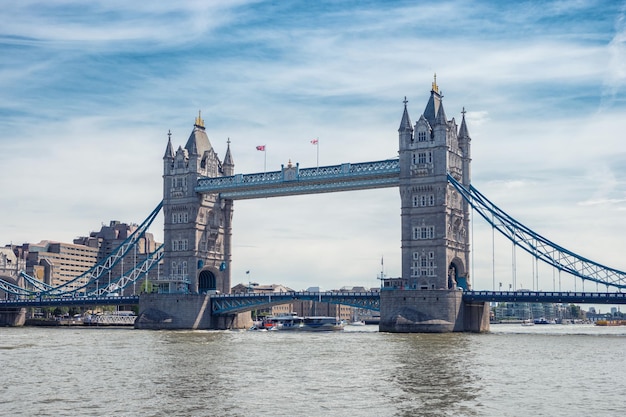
(314, 141)
(260, 148)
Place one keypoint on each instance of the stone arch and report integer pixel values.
(207, 281)
(457, 276)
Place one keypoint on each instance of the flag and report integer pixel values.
(314, 141)
(260, 148)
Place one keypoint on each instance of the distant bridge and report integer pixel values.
(69, 301)
(224, 304)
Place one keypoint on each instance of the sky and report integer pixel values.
(90, 91)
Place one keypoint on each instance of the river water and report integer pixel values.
(551, 370)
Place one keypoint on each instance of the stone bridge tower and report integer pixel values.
(435, 229)
(435, 218)
(197, 227)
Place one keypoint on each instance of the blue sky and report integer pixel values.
(90, 90)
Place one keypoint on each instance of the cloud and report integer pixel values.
(90, 92)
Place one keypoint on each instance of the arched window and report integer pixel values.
(206, 282)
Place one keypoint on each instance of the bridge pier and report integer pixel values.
(12, 317)
(430, 311)
(185, 312)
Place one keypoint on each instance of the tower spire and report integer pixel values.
(463, 132)
(405, 123)
(435, 87)
(199, 122)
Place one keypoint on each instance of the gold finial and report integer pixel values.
(435, 87)
(199, 121)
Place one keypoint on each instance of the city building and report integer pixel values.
(58, 263)
(108, 239)
(10, 266)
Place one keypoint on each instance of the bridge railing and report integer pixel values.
(546, 297)
(320, 174)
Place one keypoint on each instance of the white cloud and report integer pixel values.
(89, 100)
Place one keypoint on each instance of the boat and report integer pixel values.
(528, 322)
(322, 323)
(283, 322)
(293, 322)
(357, 323)
(543, 320)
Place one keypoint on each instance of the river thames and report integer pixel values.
(551, 370)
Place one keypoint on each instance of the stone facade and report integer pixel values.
(197, 227)
(435, 218)
(185, 311)
(435, 229)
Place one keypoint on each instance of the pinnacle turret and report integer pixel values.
(463, 132)
(405, 123)
(198, 141)
(169, 150)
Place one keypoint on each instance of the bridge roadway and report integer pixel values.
(292, 180)
(236, 303)
(223, 304)
(69, 301)
(561, 297)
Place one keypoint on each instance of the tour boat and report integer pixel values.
(322, 323)
(310, 323)
(283, 322)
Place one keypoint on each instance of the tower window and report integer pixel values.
(423, 232)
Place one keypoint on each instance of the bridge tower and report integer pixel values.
(435, 218)
(435, 228)
(197, 229)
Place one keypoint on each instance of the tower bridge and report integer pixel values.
(434, 292)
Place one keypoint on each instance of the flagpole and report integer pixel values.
(264, 159)
(317, 144)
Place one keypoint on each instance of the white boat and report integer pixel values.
(283, 322)
(357, 323)
(310, 323)
(543, 320)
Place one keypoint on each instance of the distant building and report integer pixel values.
(109, 238)
(304, 307)
(10, 263)
(10, 266)
(266, 289)
(57, 263)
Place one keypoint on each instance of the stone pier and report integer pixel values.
(430, 311)
(185, 311)
(12, 317)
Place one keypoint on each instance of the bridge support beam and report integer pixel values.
(12, 317)
(185, 312)
(430, 311)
